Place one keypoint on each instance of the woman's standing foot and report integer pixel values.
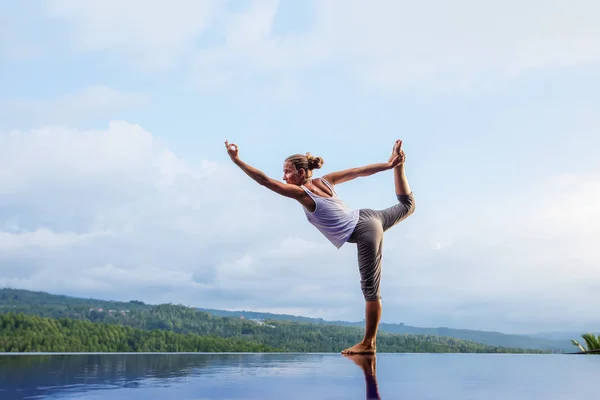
(361, 348)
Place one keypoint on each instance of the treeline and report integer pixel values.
(23, 333)
(291, 336)
(26, 333)
(124, 313)
(486, 337)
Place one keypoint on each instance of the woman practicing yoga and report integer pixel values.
(340, 224)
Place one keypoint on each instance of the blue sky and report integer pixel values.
(115, 182)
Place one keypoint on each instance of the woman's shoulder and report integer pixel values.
(325, 182)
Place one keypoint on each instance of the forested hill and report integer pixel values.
(28, 333)
(20, 300)
(485, 337)
(20, 332)
(281, 334)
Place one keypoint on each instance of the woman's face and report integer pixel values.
(291, 175)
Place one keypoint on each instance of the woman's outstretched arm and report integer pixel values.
(346, 175)
(261, 178)
(352, 173)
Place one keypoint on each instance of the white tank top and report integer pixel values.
(332, 217)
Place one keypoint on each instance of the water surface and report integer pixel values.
(298, 376)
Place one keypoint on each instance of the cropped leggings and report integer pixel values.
(368, 236)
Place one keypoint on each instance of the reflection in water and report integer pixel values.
(35, 375)
(295, 376)
(368, 363)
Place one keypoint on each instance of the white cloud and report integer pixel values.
(153, 35)
(433, 44)
(235, 272)
(139, 276)
(458, 43)
(113, 209)
(295, 247)
(251, 46)
(571, 209)
(297, 272)
(65, 188)
(43, 238)
(529, 260)
(71, 108)
(98, 212)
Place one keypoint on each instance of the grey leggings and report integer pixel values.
(368, 236)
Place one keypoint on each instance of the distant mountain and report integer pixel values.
(558, 344)
(180, 319)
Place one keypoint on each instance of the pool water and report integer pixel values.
(298, 376)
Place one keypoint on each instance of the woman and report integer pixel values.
(340, 224)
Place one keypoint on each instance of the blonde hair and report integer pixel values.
(307, 162)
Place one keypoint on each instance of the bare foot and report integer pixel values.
(360, 348)
(395, 150)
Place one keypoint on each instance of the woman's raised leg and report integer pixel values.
(400, 180)
(406, 202)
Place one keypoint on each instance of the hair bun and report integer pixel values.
(314, 162)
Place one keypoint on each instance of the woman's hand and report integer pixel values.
(398, 160)
(232, 150)
(397, 157)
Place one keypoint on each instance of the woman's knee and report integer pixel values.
(407, 200)
(370, 289)
(370, 275)
(372, 295)
(408, 204)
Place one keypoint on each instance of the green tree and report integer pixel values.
(592, 341)
(128, 325)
